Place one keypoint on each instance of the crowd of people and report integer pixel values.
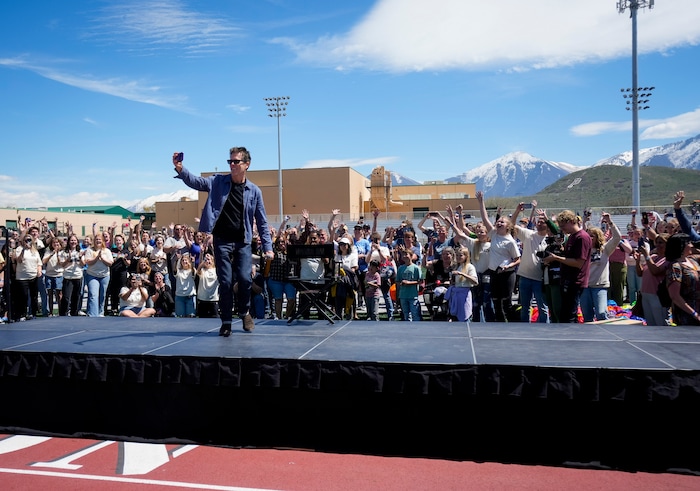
(497, 269)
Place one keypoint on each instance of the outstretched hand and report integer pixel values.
(678, 200)
(176, 163)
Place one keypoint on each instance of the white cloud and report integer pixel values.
(132, 90)
(600, 127)
(238, 108)
(683, 125)
(38, 199)
(416, 35)
(90, 121)
(680, 126)
(154, 25)
(315, 164)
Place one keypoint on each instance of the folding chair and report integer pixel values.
(314, 284)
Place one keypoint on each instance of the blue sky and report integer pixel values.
(96, 95)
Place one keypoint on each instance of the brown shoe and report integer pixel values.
(248, 324)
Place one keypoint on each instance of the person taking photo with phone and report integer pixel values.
(233, 206)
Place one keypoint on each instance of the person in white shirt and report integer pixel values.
(504, 257)
(98, 259)
(53, 278)
(133, 298)
(207, 288)
(530, 271)
(27, 274)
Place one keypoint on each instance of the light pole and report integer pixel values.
(277, 108)
(634, 5)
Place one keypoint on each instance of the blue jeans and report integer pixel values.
(257, 304)
(634, 284)
(184, 306)
(234, 264)
(528, 289)
(388, 303)
(372, 308)
(97, 290)
(410, 309)
(594, 304)
(44, 297)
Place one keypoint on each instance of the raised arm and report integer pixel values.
(615, 238)
(482, 210)
(331, 222)
(683, 220)
(532, 214)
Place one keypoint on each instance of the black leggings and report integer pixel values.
(72, 294)
(26, 291)
(502, 286)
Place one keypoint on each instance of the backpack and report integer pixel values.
(662, 293)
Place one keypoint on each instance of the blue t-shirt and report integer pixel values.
(409, 272)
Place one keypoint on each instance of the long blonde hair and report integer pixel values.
(462, 250)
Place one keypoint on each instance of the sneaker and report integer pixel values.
(248, 323)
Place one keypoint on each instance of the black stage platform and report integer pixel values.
(622, 396)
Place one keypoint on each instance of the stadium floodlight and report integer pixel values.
(277, 108)
(634, 105)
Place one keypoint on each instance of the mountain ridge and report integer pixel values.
(519, 173)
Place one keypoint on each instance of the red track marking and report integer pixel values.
(75, 464)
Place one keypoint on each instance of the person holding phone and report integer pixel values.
(234, 204)
(504, 258)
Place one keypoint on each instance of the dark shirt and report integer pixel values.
(230, 226)
(437, 272)
(578, 246)
(120, 256)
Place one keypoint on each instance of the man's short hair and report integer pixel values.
(243, 150)
(567, 216)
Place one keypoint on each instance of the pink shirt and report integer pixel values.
(650, 283)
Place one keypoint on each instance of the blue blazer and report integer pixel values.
(218, 186)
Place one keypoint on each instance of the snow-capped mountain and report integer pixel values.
(680, 155)
(149, 203)
(515, 174)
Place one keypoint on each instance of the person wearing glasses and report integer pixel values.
(27, 273)
(174, 246)
(234, 204)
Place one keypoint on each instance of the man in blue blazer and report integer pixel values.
(233, 205)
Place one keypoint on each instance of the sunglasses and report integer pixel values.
(235, 162)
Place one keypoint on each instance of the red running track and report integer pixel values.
(81, 464)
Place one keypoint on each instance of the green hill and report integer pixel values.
(610, 186)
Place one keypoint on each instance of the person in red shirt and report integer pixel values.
(574, 264)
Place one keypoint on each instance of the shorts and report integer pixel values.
(135, 310)
(280, 288)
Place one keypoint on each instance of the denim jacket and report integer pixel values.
(218, 186)
(686, 224)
